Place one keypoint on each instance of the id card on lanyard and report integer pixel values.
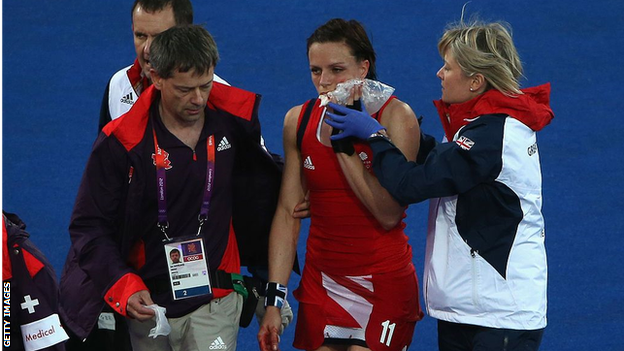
(186, 258)
(188, 270)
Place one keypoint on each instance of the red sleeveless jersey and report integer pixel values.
(344, 237)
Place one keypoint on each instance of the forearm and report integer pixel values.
(96, 219)
(369, 191)
(118, 295)
(391, 169)
(446, 172)
(283, 245)
(102, 261)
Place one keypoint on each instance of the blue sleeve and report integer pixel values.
(427, 143)
(449, 169)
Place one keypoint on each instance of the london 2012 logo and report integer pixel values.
(161, 159)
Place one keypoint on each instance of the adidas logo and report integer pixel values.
(224, 144)
(128, 99)
(218, 344)
(307, 163)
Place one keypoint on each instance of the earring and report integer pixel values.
(471, 89)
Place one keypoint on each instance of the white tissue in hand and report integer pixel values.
(162, 325)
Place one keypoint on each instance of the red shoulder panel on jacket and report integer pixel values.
(32, 263)
(238, 102)
(129, 128)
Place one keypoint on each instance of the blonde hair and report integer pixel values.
(485, 48)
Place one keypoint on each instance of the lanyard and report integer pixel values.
(161, 185)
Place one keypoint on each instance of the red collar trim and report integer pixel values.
(137, 80)
(129, 128)
(235, 101)
(531, 108)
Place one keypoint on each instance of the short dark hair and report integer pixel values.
(353, 34)
(182, 9)
(173, 251)
(183, 48)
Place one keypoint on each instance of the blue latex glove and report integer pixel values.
(354, 123)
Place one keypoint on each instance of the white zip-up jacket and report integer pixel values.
(485, 260)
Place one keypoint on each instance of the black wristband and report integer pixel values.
(275, 295)
(345, 145)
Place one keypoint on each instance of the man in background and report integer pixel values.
(149, 18)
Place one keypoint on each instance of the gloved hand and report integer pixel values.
(354, 123)
(345, 145)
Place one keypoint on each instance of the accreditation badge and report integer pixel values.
(188, 268)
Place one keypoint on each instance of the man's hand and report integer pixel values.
(268, 336)
(302, 210)
(136, 306)
(354, 123)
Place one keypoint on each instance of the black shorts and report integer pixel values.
(456, 337)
